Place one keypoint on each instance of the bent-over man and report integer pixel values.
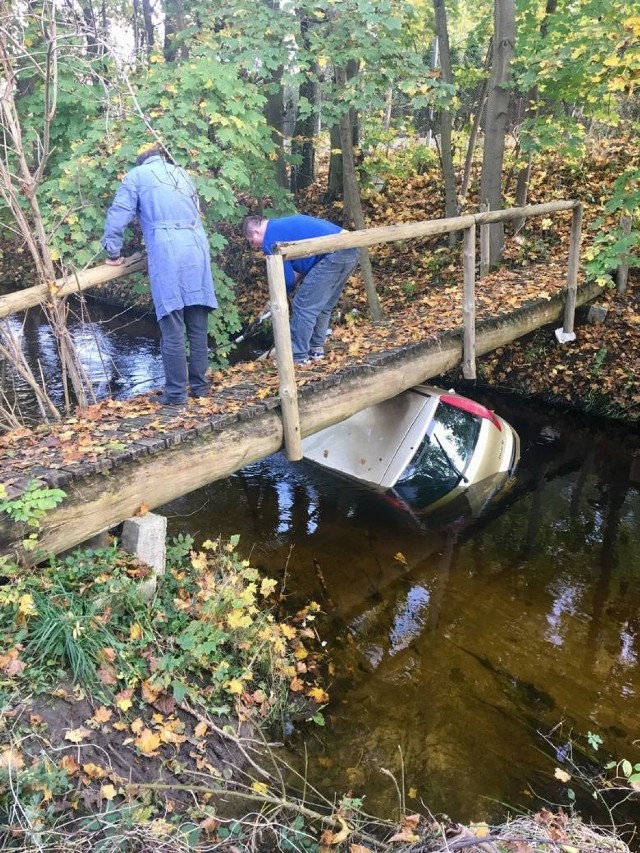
(319, 279)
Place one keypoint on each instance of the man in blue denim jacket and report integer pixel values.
(319, 279)
(163, 198)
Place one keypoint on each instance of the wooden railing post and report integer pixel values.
(469, 303)
(485, 245)
(284, 357)
(566, 333)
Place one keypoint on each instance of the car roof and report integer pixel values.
(376, 444)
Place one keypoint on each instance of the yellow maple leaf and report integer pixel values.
(198, 560)
(137, 725)
(124, 699)
(480, 830)
(260, 787)
(108, 792)
(267, 586)
(102, 715)
(400, 557)
(11, 759)
(239, 619)
(149, 693)
(201, 729)
(69, 764)
(26, 606)
(147, 742)
(235, 686)
(318, 695)
(135, 632)
(77, 735)
(288, 631)
(93, 771)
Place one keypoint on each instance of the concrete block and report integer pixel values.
(145, 537)
(564, 337)
(597, 313)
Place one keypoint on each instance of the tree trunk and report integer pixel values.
(336, 176)
(475, 127)
(149, 31)
(174, 25)
(532, 96)
(303, 173)
(274, 114)
(446, 118)
(353, 203)
(496, 121)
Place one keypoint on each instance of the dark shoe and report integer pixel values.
(169, 401)
(316, 353)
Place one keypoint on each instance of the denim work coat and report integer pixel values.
(163, 198)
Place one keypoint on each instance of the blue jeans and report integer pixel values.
(178, 368)
(315, 299)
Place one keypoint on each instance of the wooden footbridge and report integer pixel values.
(152, 457)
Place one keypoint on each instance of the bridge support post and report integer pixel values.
(484, 244)
(469, 303)
(566, 333)
(284, 357)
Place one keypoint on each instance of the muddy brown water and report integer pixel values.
(472, 655)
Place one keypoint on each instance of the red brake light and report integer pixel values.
(472, 407)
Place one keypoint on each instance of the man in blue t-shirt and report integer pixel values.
(316, 282)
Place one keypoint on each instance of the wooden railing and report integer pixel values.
(372, 236)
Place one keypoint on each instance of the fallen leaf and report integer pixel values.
(69, 765)
(78, 735)
(102, 715)
(318, 695)
(148, 742)
(562, 775)
(201, 729)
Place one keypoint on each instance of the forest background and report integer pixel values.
(493, 98)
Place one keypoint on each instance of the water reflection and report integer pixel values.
(120, 353)
(456, 642)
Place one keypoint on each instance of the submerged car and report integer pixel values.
(422, 449)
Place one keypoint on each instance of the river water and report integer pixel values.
(471, 657)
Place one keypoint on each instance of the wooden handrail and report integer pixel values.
(75, 282)
(431, 228)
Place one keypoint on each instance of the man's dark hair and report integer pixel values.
(156, 151)
(250, 223)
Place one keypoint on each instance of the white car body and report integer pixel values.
(427, 441)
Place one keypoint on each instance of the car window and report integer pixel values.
(445, 451)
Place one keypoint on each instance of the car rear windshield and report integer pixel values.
(441, 458)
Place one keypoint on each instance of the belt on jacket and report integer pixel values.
(175, 223)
